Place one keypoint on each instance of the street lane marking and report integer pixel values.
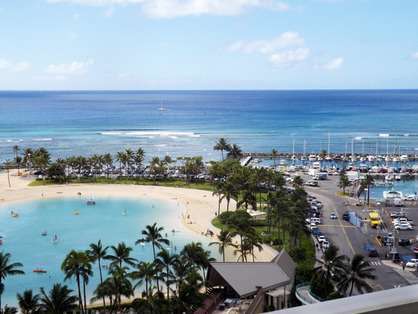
(338, 226)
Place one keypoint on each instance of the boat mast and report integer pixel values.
(352, 149)
(329, 144)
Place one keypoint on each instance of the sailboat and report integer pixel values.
(162, 108)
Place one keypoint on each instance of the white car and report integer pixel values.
(412, 263)
(398, 221)
(333, 216)
(325, 244)
(321, 239)
(404, 226)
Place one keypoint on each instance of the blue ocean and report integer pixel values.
(182, 123)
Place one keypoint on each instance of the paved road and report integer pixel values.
(348, 238)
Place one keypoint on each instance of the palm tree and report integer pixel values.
(152, 234)
(229, 191)
(59, 300)
(297, 182)
(221, 145)
(28, 302)
(97, 253)
(355, 275)
(234, 152)
(121, 254)
(369, 181)
(274, 154)
(224, 240)
(332, 266)
(139, 158)
(74, 265)
(145, 272)
(344, 182)
(198, 255)
(7, 269)
(165, 260)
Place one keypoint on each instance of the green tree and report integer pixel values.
(344, 181)
(221, 145)
(153, 234)
(145, 272)
(330, 270)
(224, 240)
(28, 302)
(74, 266)
(7, 269)
(355, 275)
(165, 260)
(59, 300)
(234, 152)
(97, 252)
(120, 255)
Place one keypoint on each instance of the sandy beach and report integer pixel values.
(198, 207)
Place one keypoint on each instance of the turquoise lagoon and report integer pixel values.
(111, 220)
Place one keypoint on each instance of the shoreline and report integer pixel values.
(198, 207)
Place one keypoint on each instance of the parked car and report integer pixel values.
(404, 242)
(321, 239)
(312, 183)
(333, 216)
(346, 216)
(412, 263)
(403, 226)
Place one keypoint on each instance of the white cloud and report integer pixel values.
(19, 66)
(415, 55)
(290, 57)
(68, 69)
(286, 49)
(334, 64)
(284, 40)
(179, 8)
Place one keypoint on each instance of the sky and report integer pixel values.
(208, 44)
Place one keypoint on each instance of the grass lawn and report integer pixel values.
(168, 183)
(304, 256)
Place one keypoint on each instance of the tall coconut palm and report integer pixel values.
(121, 255)
(165, 260)
(274, 154)
(332, 266)
(7, 269)
(139, 158)
(59, 300)
(97, 253)
(120, 283)
(145, 272)
(74, 266)
(28, 302)
(224, 240)
(369, 181)
(355, 275)
(198, 255)
(221, 145)
(234, 152)
(152, 234)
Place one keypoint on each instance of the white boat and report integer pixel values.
(14, 214)
(392, 195)
(389, 177)
(404, 158)
(312, 157)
